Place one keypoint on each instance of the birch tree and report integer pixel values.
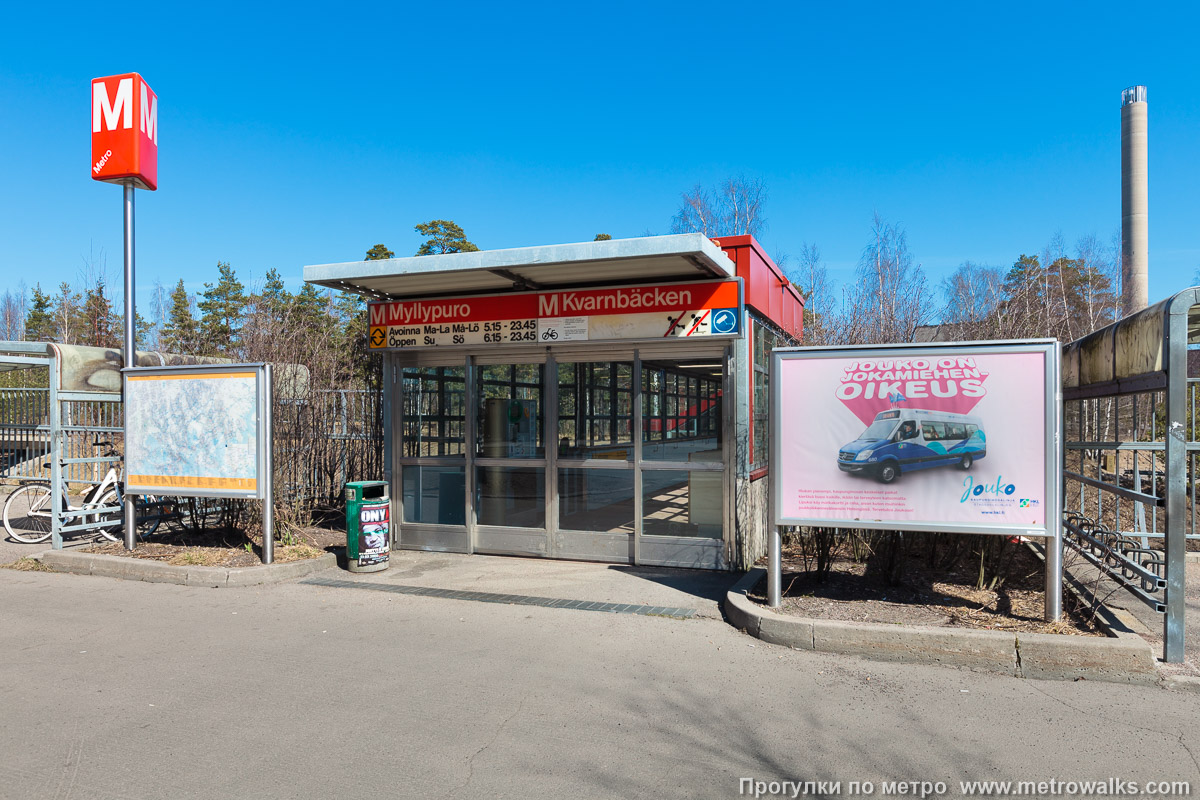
(736, 208)
(891, 297)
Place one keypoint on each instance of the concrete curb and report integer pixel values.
(1123, 658)
(140, 569)
(1182, 683)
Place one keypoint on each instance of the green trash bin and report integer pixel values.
(368, 542)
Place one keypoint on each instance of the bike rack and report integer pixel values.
(55, 425)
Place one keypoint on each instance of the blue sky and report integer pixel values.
(305, 137)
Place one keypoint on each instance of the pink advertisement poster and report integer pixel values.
(939, 439)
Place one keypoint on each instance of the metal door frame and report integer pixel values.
(507, 540)
(605, 546)
(423, 535)
(697, 552)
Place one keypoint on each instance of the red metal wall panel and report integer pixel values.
(768, 291)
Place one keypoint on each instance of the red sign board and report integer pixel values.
(694, 309)
(125, 131)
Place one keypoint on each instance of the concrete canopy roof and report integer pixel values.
(685, 256)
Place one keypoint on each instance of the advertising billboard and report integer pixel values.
(960, 437)
(697, 309)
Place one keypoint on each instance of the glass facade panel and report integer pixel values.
(593, 420)
(434, 495)
(513, 497)
(596, 500)
(765, 340)
(681, 418)
(510, 411)
(434, 417)
(681, 503)
(595, 402)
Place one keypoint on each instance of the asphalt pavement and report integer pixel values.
(114, 689)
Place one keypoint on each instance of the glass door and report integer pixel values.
(510, 491)
(432, 457)
(682, 462)
(596, 492)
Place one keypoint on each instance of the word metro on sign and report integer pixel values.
(681, 310)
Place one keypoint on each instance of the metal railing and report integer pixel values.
(1130, 449)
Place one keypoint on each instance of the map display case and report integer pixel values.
(198, 430)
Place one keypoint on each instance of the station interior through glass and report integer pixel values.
(616, 460)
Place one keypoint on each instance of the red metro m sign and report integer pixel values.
(125, 131)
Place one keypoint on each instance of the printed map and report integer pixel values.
(192, 431)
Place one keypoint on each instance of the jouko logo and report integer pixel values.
(994, 489)
(937, 384)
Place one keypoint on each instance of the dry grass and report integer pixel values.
(179, 555)
(27, 564)
(199, 557)
(297, 552)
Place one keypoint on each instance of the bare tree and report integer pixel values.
(891, 298)
(696, 214)
(741, 202)
(67, 308)
(812, 279)
(973, 296)
(160, 309)
(735, 209)
(1099, 271)
(12, 315)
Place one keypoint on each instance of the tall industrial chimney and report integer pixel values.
(1135, 232)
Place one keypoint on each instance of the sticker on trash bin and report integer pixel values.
(373, 535)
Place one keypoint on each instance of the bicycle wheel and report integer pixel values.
(114, 531)
(27, 513)
(150, 514)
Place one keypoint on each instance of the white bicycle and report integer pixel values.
(27, 511)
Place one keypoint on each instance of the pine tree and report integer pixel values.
(310, 309)
(99, 322)
(39, 323)
(445, 236)
(275, 298)
(379, 252)
(179, 332)
(142, 328)
(221, 312)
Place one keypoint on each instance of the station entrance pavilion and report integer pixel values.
(600, 401)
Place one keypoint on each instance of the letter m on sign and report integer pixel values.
(125, 131)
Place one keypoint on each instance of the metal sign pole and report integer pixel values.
(1054, 489)
(774, 568)
(130, 351)
(1054, 577)
(268, 468)
(775, 544)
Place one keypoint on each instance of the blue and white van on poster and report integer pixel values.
(906, 439)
